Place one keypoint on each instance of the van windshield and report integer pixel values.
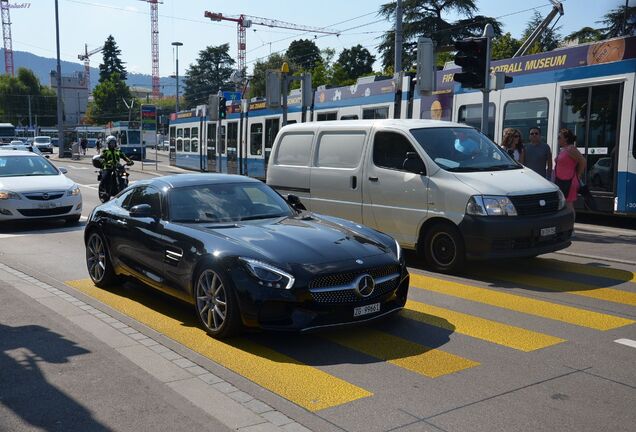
(462, 149)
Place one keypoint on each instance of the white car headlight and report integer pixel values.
(267, 275)
(74, 191)
(490, 205)
(8, 195)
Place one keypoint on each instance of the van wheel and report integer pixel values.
(444, 248)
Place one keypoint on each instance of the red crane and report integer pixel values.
(154, 44)
(6, 33)
(87, 64)
(246, 21)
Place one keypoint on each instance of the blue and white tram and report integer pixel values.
(128, 136)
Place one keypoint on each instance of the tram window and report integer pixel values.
(327, 116)
(256, 139)
(180, 139)
(271, 129)
(471, 115)
(212, 138)
(292, 122)
(173, 131)
(232, 139)
(194, 142)
(123, 138)
(526, 114)
(375, 113)
(349, 117)
(222, 145)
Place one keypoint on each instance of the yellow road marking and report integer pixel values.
(544, 309)
(480, 328)
(552, 284)
(587, 269)
(300, 383)
(417, 358)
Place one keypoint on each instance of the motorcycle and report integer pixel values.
(118, 179)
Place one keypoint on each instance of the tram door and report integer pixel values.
(211, 147)
(593, 114)
(232, 147)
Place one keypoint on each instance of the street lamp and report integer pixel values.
(177, 44)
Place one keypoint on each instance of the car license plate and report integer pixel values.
(47, 205)
(548, 231)
(364, 310)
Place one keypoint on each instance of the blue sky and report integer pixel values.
(91, 21)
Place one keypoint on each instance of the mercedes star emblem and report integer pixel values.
(365, 285)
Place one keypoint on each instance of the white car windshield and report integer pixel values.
(461, 149)
(42, 140)
(18, 166)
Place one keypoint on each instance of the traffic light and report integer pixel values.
(472, 55)
(222, 108)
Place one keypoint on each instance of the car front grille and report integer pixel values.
(338, 279)
(530, 205)
(348, 295)
(55, 211)
(43, 196)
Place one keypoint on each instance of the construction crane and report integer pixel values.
(154, 44)
(246, 21)
(87, 64)
(6, 33)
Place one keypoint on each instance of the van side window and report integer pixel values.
(294, 149)
(340, 150)
(390, 149)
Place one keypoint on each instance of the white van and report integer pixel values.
(440, 188)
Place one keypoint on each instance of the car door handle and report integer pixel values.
(373, 179)
(354, 182)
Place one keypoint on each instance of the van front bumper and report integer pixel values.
(488, 237)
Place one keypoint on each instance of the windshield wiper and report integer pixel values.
(263, 216)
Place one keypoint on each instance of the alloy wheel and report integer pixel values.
(211, 300)
(96, 258)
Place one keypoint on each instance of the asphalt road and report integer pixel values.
(512, 346)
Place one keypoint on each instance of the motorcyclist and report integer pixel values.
(110, 158)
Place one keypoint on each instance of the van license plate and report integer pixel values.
(548, 231)
(364, 310)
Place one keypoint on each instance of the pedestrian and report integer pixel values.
(98, 145)
(513, 144)
(83, 145)
(537, 154)
(569, 166)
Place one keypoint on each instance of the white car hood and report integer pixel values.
(24, 184)
(513, 182)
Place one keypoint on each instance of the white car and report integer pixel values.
(44, 144)
(32, 188)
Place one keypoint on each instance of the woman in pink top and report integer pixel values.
(569, 165)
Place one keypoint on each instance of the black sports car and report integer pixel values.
(244, 256)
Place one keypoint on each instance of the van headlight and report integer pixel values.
(490, 205)
(561, 199)
(267, 275)
(8, 195)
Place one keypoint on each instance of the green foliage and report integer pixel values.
(208, 75)
(426, 18)
(356, 61)
(257, 84)
(548, 41)
(504, 46)
(15, 93)
(442, 57)
(303, 53)
(108, 101)
(584, 35)
(619, 22)
(111, 62)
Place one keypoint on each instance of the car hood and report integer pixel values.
(36, 183)
(513, 182)
(301, 240)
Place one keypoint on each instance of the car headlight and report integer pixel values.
(561, 199)
(8, 195)
(398, 250)
(267, 275)
(74, 191)
(490, 205)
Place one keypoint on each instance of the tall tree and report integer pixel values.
(619, 22)
(427, 18)
(548, 41)
(108, 101)
(257, 84)
(356, 61)
(584, 35)
(504, 46)
(111, 63)
(303, 53)
(208, 75)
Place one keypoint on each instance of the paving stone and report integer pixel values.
(258, 406)
(240, 396)
(210, 378)
(148, 342)
(159, 348)
(225, 387)
(196, 370)
(184, 363)
(277, 418)
(295, 427)
(170, 355)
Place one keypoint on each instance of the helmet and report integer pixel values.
(97, 161)
(111, 142)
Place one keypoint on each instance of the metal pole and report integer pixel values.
(285, 90)
(625, 18)
(397, 65)
(177, 44)
(488, 33)
(60, 126)
(30, 118)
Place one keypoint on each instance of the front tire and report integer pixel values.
(216, 305)
(100, 267)
(72, 220)
(444, 249)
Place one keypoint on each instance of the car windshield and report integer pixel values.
(461, 149)
(17, 166)
(42, 140)
(226, 202)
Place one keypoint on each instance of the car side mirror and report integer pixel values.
(63, 170)
(142, 211)
(413, 163)
(294, 201)
(47, 156)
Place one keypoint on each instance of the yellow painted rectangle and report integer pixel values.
(560, 285)
(540, 308)
(409, 355)
(300, 383)
(587, 269)
(480, 328)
